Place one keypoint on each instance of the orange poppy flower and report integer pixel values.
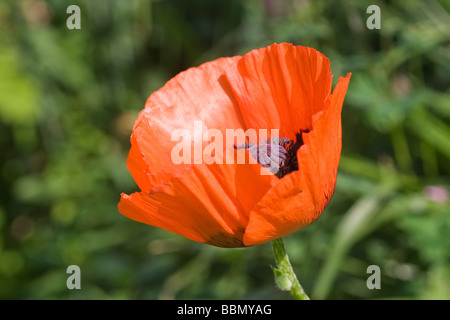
(228, 203)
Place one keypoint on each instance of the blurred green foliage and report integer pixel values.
(68, 100)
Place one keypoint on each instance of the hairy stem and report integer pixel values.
(284, 274)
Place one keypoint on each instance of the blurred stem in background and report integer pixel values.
(356, 223)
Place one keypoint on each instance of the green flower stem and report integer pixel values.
(285, 277)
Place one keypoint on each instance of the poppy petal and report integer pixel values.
(300, 197)
(197, 94)
(280, 87)
(209, 203)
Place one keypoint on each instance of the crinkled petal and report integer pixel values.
(300, 197)
(197, 94)
(280, 87)
(209, 203)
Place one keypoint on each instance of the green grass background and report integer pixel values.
(68, 100)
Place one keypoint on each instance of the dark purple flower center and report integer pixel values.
(279, 156)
